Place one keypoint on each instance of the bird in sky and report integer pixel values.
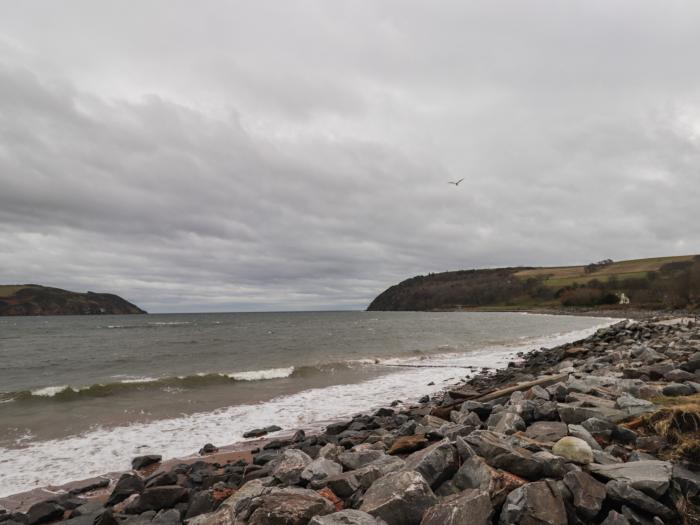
(455, 183)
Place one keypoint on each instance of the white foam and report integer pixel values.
(139, 380)
(257, 375)
(49, 391)
(102, 450)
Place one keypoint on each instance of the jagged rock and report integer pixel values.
(588, 494)
(570, 413)
(600, 429)
(320, 468)
(44, 512)
(573, 449)
(207, 449)
(471, 506)
(628, 401)
(466, 418)
(354, 459)
(345, 517)
(483, 410)
(157, 498)
(463, 448)
(201, 502)
(547, 431)
(678, 376)
(686, 482)
(506, 423)
(651, 477)
(693, 363)
(162, 478)
(290, 506)
(615, 518)
(241, 499)
(140, 462)
(292, 464)
(343, 485)
(406, 444)
(677, 389)
(330, 451)
(436, 464)
(499, 453)
(622, 491)
(166, 517)
(475, 473)
(126, 485)
(399, 498)
(534, 503)
(580, 432)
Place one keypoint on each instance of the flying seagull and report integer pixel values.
(455, 183)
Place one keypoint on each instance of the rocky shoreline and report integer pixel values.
(605, 431)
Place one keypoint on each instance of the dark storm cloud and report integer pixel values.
(295, 155)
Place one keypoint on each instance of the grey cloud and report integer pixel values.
(295, 155)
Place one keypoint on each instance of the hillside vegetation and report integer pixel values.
(658, 283)
(33, 299)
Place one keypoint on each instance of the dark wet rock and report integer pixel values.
(288, 507)
(693, 363)
(140, 462)
(126, 485)
(624, 493)
(167, 517)
(534, 503)
(677, 389)
(615, 518)
(588, 493)
(547, 431)
(292, 463)
(162, 478)
(319, 469)
(407, 444)
(88, 485)
(483, 410)
(399, 498)
(345, 517)
(686, 482)
(44, 512)
(264, 457)
(436, 464)
(679, 376)
(424, 399)
(471, 506)
(207, 449)
(256, 432)
(298, 436)
(104, 518)
(634, 517)
(89, 507)
(157, 498)
(200, 503)
(651, 477)
(276, 444)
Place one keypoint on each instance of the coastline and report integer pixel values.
(438, 409)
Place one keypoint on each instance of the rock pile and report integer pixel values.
(576, 434)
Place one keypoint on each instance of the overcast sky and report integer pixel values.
(266, 155)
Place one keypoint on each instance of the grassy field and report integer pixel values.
(560, 276)
(7, 290)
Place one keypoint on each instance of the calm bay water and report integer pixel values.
(82, 395)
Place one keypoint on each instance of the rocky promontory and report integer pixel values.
(604, 431)
(33, 299)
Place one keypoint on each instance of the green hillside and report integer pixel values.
(657, 283)
(33, 299)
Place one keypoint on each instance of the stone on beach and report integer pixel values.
(140, 462)
(436, 464)
(290, 506)
(534, 503)
(399, 498)
(652, 477)
(588, 493)
(345, 517)
(471, 506)
(290, 467)
(573, 449)
(126, 485)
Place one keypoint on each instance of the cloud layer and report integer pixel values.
(294, 155)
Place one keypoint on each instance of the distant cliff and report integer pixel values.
(33, 299)
(658, 283)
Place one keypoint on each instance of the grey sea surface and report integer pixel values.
(120, 385)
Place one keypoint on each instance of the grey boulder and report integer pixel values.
(345, 517)
(650, 476)
(399, 498)
(588, 493)
(436, 464)
(534, 503)
(471, 506)
(291, 465)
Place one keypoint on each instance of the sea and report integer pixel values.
(81, 395)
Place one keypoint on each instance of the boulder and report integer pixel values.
(573, 449)
(291, 465)
(505, 423)
(588, 493)
(500, 453)
(678, 376)
(534, 503)
(475, 473)
(319, 469)
(290, 506)
(651, 477)
(626, 401)
(140, 462)
(345, 517)
(615, 518)
(406, 444)
(354, 459)
(547, 431)
(44, 512)
(624, 493)
(201, 502)
(126, 485)
(580, 432)
(677, 389)
(330, 451)
(399, 498)
(157, 498)
(241, 499)
(436, 464)
(471, 506)
(166, 517)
